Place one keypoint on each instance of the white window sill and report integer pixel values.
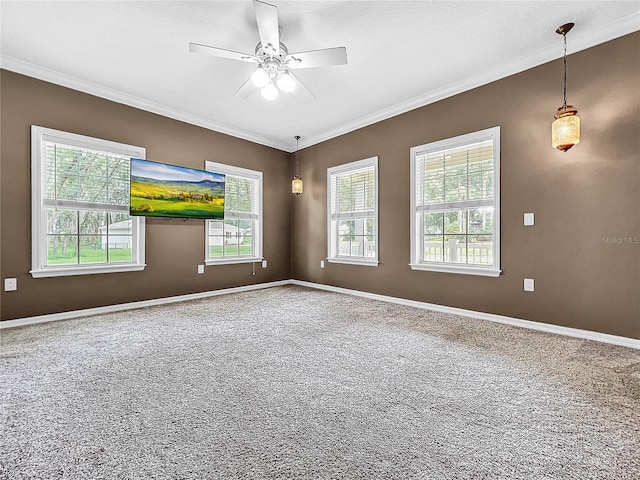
(231, 260)
(354, 261)
(86, 270)
(463, 270)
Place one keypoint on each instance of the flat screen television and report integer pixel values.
(162, 190)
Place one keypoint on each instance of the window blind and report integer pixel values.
(85, 179)
(242, 197)
(460, 177)
(353, 193)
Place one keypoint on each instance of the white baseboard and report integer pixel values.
(543, 327)
(19, 322)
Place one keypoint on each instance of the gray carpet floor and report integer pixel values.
(294, 383)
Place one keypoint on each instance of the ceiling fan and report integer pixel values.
(274, 62)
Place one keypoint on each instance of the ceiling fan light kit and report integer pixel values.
(273, 73)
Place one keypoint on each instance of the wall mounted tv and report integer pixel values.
(162, 190)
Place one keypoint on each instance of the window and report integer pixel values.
(80, 206)
(237, 238)
(455, 204)
(352, 198)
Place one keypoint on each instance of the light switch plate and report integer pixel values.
(10, 284)
(321, 263)
(264, 264)
(529, 285)
(200, 268)
(529, 219)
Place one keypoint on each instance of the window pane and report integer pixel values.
(433, 223)
(455, 188)
(62, 249)
(118, 181)
(454, 248)
(481, 220)
(433, 249)
(433, 190)
(62, 221)
(120, 237)
(216, 238)
(92, 226)
(230, 249)
(480, 250)
(91, 250)
(455, 221)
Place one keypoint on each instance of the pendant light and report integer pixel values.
(296, 183)
(565, 129)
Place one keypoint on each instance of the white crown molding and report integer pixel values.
(579, 42)
(52, 76)
(516, 322)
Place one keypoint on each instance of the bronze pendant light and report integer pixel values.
(565, 129)
(296, 183)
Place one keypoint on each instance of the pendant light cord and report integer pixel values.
(297, 148)
(564, 36)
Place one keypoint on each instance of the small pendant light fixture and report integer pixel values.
(565, 129)
(296, 183)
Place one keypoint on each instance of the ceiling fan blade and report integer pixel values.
(301, 92)
(267, 20)
(245, 90)
(221, 52)
(317, 58)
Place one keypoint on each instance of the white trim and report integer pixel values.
(516, 322)
(354, 261)
(87, 269)
(452, 268)
(20, 322)
(232, 260)
(42, 73)
(580, 41)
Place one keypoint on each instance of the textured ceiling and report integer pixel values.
(402, 54)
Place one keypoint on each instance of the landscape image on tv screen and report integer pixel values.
(162, 190)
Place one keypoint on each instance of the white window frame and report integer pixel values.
(333, 255)
(416, 262)
(257, 232)
(39, 269)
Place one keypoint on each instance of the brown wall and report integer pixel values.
(580, 198)
(173, 249)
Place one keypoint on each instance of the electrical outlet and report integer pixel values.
(321, 263)
(528, 219)
(10, 284)
(264, 264)
(200, 268)
(528, 285)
